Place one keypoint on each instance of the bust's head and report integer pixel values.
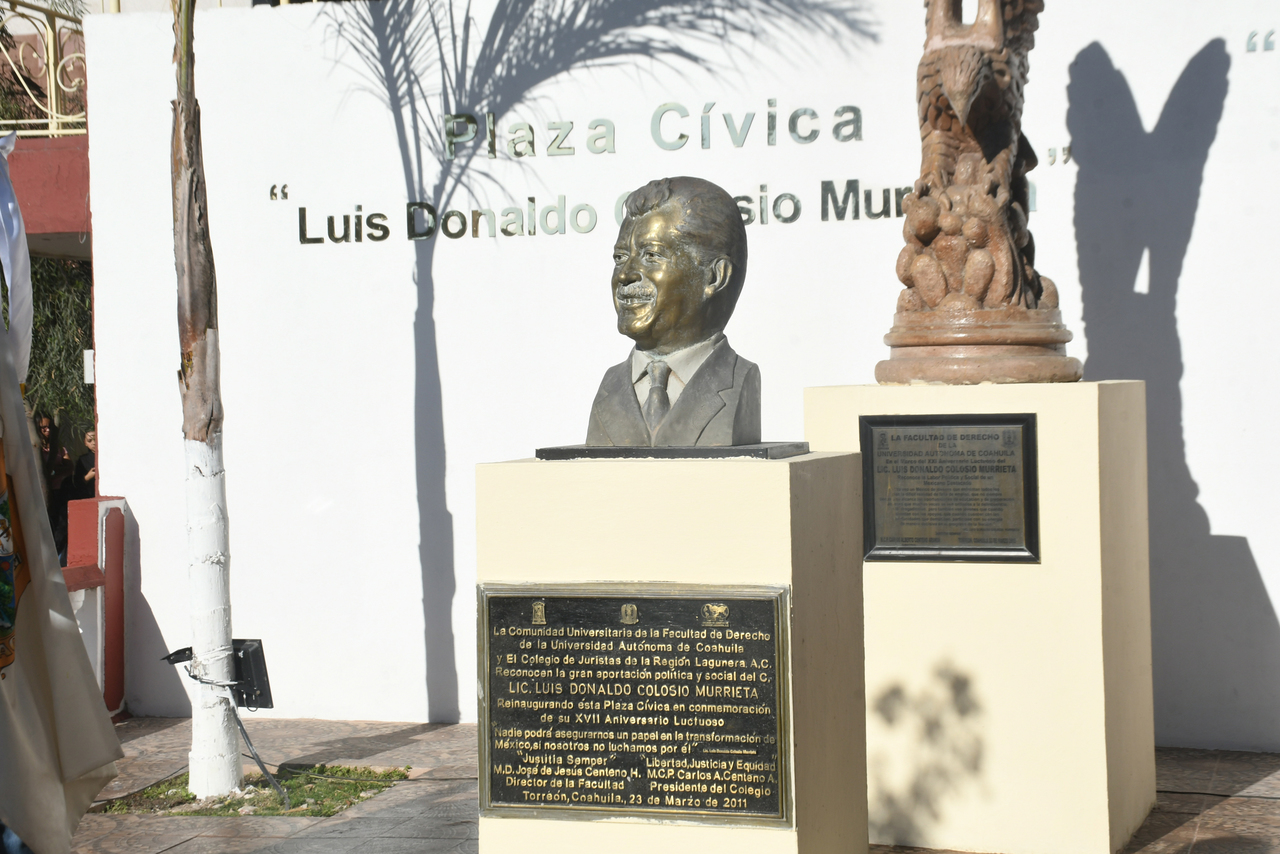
(679, 263)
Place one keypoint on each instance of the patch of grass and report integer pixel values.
(163, 796)
(315, 790)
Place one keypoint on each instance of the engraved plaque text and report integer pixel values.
(637, 703)
(957, 487)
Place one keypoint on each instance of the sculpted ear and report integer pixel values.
(721, 272)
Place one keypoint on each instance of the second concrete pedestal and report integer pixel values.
(1010, 704)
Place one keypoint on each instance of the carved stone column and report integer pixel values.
(974, 308)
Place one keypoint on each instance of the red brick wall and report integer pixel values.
(51, 178)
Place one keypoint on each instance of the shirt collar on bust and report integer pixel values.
(684, 363)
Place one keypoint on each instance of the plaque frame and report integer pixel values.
(1030, 553)
(642, 590)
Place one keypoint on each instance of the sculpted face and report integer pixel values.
(660, 289)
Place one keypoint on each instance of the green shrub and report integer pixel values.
(61, 330)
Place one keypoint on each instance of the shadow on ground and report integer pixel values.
(364, 746)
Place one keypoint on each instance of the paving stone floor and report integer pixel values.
(433, 811)
(1207, 802)
(1210, 801)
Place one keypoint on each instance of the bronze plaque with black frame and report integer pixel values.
(642, 700)
(950, 488)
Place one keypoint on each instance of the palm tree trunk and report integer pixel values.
(215, 753)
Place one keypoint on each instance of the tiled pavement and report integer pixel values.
(433, 811)
(1210, 801)
(1207, 802)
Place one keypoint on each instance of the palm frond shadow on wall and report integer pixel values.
(426, 59)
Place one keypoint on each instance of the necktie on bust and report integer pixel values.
(658, 404)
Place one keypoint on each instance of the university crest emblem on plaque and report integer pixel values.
(715, 614)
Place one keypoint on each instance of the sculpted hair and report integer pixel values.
(710, 219)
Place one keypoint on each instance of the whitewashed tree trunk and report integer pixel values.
(215, 746)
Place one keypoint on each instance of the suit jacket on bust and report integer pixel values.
(720, 405)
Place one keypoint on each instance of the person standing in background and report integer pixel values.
(55, 462)
(84, 481)
(55, 467)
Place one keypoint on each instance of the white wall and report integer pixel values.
(325, 382)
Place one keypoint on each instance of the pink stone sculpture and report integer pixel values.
(974, 308)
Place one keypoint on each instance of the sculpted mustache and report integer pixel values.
(640, 291)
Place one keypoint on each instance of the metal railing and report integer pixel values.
(44, 47)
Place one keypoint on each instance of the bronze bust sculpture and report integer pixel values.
(679, 264)
(974, 308)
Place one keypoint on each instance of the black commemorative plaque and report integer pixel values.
(950, 487)
(658, 701)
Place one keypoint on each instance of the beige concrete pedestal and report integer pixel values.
(1009, 705)
(791, 522)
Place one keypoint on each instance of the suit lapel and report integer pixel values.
(700, 400)
(620, 411)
